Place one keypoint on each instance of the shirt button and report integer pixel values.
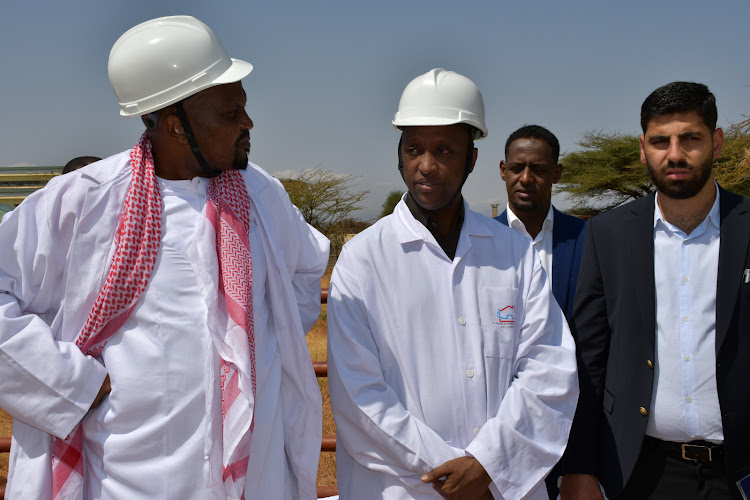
(476, 430)
(685, 318)
(687, 357)
(205, 457)
(462, 320)
(470, 373)
(689, 399)
(644, 411)
(685, 279)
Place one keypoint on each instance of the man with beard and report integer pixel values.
(153, 305)
(451, 367)
(661, 320)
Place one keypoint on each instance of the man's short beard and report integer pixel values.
(240, 162)
(525, 207)
(683, 189)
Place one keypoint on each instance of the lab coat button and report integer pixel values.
(462, 320)
(644, 411)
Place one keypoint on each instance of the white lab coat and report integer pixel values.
(432, 359)
(54, 254)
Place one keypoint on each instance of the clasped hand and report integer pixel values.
(462, 478)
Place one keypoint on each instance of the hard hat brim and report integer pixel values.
(237, 71)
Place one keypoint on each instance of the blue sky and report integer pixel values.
(328, 74)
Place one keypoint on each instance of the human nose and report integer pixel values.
(675, 152)
(247, 123)
(525, 177)
(427, 163)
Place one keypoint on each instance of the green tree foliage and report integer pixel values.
(327, 201)
(732, 168)
(390, 202)
(607, 171)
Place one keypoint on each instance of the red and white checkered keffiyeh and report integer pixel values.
(136, 246)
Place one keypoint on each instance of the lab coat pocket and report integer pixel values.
(497, 308)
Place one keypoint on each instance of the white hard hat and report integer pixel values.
(441, 97)
(165, 60)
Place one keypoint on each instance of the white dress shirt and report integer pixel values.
(685, 401)
(543, 241)
(431, 359)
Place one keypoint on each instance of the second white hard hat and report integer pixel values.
(441, 97)
(165, 60)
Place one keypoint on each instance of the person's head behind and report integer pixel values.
(680, 139)
(440, 114)
(680, 97)
(79, 162)
(530, 169)
(535, 132)
(175, 74)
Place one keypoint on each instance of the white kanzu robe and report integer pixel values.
(432, 359)
(158, 434)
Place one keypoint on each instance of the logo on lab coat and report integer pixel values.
(506, 316)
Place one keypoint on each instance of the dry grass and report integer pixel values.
(316, 341)
(6, 424)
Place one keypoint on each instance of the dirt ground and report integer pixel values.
(316, 341)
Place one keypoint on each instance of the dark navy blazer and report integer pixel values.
(568, 236)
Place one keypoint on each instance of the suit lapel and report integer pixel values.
(639, 232)
(562, 260)
(733, 245)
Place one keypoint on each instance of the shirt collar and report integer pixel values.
(518, 225)
(713, 214)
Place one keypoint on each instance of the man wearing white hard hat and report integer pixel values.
(452, 371)
(155, 303)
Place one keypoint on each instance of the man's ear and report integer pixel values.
(718, 141)
(502, 169)
(642, 143)
(558, 173)
(474, 155)
(172, 126)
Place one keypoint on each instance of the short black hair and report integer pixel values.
(680, 97)
(535, 132)
(79, 162)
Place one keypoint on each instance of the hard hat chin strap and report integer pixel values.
(208, 171)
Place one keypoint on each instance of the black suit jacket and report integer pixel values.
(613, 322)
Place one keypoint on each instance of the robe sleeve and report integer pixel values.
(528, 434)
(371, 423)
(312, 260)
(44, 382)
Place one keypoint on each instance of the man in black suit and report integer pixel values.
(662, 323)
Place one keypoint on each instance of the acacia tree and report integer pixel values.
(607, 171)
(327, 201)
(390, 202)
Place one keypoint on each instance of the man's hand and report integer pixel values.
(580, 487)
(105, 389)
(462, 478)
